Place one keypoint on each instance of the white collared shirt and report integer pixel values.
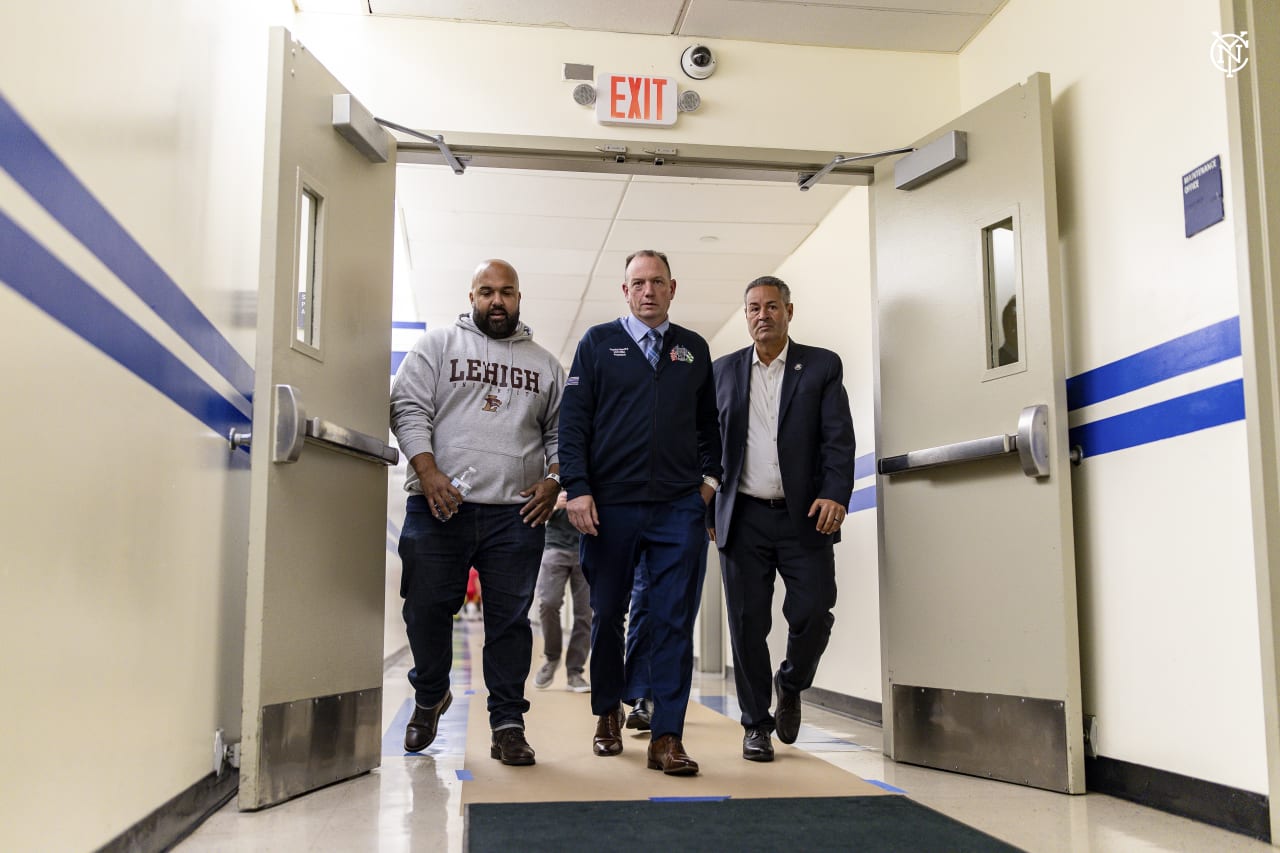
(761, 477)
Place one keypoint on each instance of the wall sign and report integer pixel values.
(636, 99)
(1202, 196)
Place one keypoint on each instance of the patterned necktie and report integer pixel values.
(652, 346)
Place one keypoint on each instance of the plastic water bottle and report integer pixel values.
(462, 482)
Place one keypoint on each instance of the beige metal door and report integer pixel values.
(313, 633)
(977, 586)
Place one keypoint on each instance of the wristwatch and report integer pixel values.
(712, 482)
(553, 476)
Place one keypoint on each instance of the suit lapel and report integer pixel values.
(791, 377)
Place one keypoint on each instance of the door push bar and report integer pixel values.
(293, 428)
(1031, 443)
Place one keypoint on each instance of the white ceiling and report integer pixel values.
(928, 25)
(568, 236)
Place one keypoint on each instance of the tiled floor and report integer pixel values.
(412, 803)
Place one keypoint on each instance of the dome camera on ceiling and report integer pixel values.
(698, 62)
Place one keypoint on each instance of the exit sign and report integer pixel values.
(635, 99)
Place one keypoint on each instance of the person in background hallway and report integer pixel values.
(481, 399)
(640, 450)
(788, 474)
(561, 565)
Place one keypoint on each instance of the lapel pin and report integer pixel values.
(798, 366)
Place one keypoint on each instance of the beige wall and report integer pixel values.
(476, 78)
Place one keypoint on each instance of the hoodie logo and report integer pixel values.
(494, 373)
(491, 403)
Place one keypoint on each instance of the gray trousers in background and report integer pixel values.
(559, 566)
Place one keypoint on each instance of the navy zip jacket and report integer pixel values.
(632, 433)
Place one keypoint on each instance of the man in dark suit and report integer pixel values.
(788, 446)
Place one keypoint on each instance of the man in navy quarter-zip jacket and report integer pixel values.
(640, 460)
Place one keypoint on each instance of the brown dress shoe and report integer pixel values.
(608, 739)
(510, 747)
(667, 754)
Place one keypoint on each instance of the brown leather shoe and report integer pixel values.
(608, 739)
(667, 754)
(510, 747)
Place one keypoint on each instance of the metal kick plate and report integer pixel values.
(1012, 738)
(312, 742)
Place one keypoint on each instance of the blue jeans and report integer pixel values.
(437, 557)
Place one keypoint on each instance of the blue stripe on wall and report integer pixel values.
(408, 324)
(864, 466)
(863, 499)
(31, 270)
(396, 358)
(25, 156)
(1210, 407)
(1192, 351)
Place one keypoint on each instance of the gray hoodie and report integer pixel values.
(474, 401)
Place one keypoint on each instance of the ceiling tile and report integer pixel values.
(433, 261)
(515, 192)
(731, 237)
(830, 25)
(973, 7)
(692, 200)
(429, 227)
(651, 16)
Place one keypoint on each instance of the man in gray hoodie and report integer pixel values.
(475, 408)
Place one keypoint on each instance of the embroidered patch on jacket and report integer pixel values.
(572, 380)
(620, 352)
(679, 353)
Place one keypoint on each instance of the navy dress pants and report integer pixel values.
(764, 545)
(438, 556)
(666, 543)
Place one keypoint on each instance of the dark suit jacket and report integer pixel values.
(815, 436)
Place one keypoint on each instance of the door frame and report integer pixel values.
(1254, 135)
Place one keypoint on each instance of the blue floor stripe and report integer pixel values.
(31, 270)
(885, 785)
(26, 157)
(464, 775)
(719, 798)
(1192, 351)
(451, 734)
(1210, 407)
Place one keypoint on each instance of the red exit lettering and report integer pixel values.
(635, 99)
